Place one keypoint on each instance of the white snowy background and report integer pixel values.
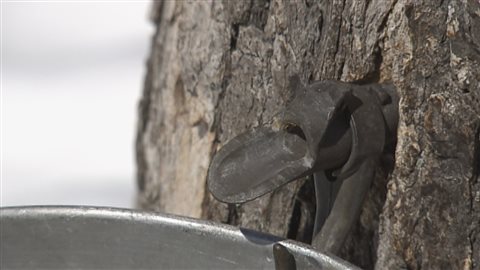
(71, 77)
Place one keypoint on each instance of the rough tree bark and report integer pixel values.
(219, 68)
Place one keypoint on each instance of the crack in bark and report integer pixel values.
(337, 43)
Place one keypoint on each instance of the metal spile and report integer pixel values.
(332, 130)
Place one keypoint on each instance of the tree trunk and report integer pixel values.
(219, 68)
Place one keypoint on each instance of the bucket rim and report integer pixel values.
(150, 217)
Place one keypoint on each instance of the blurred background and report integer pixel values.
(71, 77)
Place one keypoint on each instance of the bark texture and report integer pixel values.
(219, 68)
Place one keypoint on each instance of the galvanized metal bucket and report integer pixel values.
(106, 238)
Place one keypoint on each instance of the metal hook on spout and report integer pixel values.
(369, 125)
